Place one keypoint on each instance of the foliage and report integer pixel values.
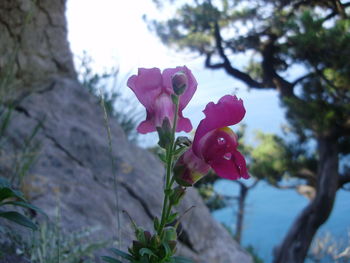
(106, 85)
(274, 159)
(277, 37)
(212, 199)
(51, 244)
(21, 160)
(11, 197)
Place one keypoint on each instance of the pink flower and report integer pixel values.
(189, 168)
(154, 89)
(215, 144)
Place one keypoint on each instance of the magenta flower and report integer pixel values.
(154, 89)
(189, 168)
(215, 144)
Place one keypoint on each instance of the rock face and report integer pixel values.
(73, 170)
(33, 45)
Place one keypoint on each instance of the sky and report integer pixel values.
(115, 36)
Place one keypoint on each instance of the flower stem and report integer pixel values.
(168, 180)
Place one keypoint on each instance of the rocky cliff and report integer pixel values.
(73, 169)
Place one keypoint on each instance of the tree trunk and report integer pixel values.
(295, 246)
(240, 215)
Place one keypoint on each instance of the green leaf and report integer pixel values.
(162, 157)
(180, 151)
(140, 235)
(4, 183)
(156, 223)
(144, 259)
(5, 193)
(19, 219)
(8, 192)
(25, 205)
(110, 259)
(172, 217)
(167, 249)
(177, 195)
(122, 254)
(147, 251)
(170, 233)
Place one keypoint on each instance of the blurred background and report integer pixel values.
(289, 61)
(306, 40)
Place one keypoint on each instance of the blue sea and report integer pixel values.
(270, 212)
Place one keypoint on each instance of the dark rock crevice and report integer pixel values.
(63, 149)
(138, 198)
(59, 146)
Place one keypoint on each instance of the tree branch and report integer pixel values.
(226, 64)
(295, 82)
(271, 78)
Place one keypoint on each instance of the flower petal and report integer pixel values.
(217, 143)
(232, 169)
(163, 108)
(147, 125)
(228, 111)
(147, 85)
(191, 84)
(183, 124)
(239, 160)
(194, 163)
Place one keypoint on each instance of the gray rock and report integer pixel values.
(33, 46)
(74, 171)
(73, 168)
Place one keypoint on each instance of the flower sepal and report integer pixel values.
(178, 193)
(164, 133)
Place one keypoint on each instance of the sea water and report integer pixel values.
(270, 212)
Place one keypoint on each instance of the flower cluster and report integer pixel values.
(165, 95)
(154, 89)
(214, 144)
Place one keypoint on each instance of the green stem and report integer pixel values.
(168, 181)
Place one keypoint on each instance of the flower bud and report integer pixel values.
(189, 169)
(179, 82)
(164, 133)
(177, 194)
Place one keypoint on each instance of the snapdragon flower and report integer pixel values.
(154, 90)
(214, 145)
